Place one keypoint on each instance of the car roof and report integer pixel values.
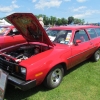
(70, 27)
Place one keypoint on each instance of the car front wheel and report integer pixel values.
(54, 77)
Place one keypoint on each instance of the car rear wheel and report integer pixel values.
(54, 77)
(96, 55)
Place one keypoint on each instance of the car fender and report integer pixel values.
(42, 67)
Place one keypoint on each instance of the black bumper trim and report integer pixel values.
(23, 85)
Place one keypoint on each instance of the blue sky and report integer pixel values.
(89, 10)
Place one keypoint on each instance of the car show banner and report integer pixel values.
(3, 82)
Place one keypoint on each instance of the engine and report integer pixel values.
(11, 57)
(24, 52)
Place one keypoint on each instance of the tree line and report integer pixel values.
(60, 21)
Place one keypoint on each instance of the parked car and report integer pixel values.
(46, 27)
(42, 61)
(9, 36)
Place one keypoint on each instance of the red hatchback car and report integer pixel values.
(42, 61)
(9, 36)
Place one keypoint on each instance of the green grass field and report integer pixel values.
(80, 83)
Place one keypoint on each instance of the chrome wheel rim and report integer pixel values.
(97, 55)
(56, 76)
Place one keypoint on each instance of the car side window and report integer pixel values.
(97, 31)
(80, 35)
(92, 32)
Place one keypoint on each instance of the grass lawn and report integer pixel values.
(80, 83)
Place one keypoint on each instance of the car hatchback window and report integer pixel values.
(97, 31)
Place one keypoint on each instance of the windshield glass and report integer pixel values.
(59, 36)
(3, 30)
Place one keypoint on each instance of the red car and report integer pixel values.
(9, 36)
(42, 61)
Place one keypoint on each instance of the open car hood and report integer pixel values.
(28, 25)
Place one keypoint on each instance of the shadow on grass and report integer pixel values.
(13, 93)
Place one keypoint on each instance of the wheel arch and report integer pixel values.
(46, 82)
(63, 64)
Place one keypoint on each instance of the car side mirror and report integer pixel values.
(77, 42)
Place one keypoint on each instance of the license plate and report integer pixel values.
(3, 83)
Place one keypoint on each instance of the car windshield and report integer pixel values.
(3, 30)
(59, 36)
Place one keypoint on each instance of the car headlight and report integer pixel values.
(23, 70)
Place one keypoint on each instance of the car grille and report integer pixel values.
(6, 65)
(9, 66)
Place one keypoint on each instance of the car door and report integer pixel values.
(81, 48)
(12, 38)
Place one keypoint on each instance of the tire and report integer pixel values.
(54, 77)
(96, 55)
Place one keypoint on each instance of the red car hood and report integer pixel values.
(28, 25)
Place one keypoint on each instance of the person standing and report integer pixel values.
(41, 21)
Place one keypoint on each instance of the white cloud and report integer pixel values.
(93, 11)
(81, 0)
(79, 9)
(87, 13)
(80, 15)
(7, 9)
(67, 0)
(50, 3)
(14, 5)
(14, 1)
(33, 0)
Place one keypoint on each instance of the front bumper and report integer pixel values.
(23, 85)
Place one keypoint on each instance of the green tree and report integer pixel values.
(45, 20)
(53, 20)
(82, 21)
(64, 21)
(70, 20)
(59, 22)
(78, 21)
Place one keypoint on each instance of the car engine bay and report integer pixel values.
(24, 52)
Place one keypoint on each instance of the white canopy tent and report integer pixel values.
(4, 22)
